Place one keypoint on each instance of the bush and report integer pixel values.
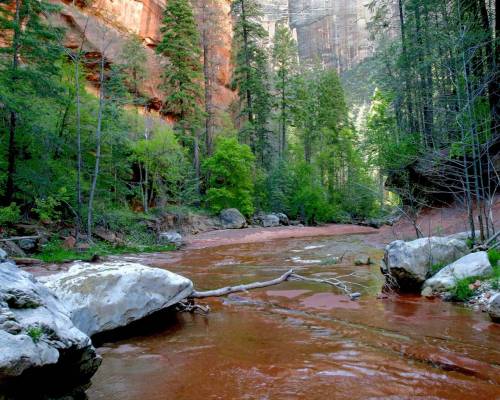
(494, 256)
(9, 215)
(35, 333)
(462, 290)
(230, 170)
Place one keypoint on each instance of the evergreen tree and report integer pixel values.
(251, 75)
(285, 60)
(27, 66)
(182, 77)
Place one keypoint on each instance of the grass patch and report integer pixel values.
(35, 333)
(462, 290)
(435, 268)
(53, 252)
(494, 256)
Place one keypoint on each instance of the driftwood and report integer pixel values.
(241, 288)
(288, 276)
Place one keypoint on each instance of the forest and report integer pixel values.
(99, 154)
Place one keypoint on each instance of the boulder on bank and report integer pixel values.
(231, 218)
(408, 263)
(471, 265)
(40, 345)
(103, 297)
(266, 220)
(171, 237)
(283, 219)
(494, 307)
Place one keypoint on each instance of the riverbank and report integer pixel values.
(259, 234)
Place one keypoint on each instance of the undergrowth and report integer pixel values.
(53, 252)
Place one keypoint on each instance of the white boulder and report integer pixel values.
(39, 343)
(171, 237)
(409, 263)
(103, 297)
(471, 265)
(494, 307)
(231, 218)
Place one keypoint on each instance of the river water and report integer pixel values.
(301, 340)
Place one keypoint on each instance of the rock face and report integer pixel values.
(335, 32)
(40, 345)
(171, 237)
(111, 295)
(494, 308)
(231, 218)
(471, 265)
(409, 263)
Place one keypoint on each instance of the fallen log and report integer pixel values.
(287, 276)
(240, 288)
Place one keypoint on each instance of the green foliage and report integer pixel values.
(309, 199)
(35, 333)
(435, 268)
(230, 169)
(494, 257)
(462, 291)
(180, 43)
(9, 215)
(250, 76)
(54, 252)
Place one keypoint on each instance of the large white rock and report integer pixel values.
(39, 343)
(409, 263)
(494, 307)
(471, 265)
(102, 297)
(231, 218)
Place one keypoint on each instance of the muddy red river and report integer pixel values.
(301, 340)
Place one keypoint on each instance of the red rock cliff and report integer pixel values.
(111, 21)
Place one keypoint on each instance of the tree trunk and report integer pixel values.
(12, 151)
(209, 119)
(98, 151)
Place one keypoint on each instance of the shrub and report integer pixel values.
(9, 215)
(494, 256)
(35, 333)
(462, 290)
(230, 170)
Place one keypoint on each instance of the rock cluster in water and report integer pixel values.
(41, 348)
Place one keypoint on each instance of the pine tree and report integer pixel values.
(251, 74)
(27, 66)
(285, 57)
(182, 77)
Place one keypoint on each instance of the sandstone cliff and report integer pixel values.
(108, 23)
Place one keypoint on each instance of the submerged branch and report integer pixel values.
(240, 288)
(288, 276)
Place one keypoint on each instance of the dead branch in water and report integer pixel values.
(288, 276)
(240, 288)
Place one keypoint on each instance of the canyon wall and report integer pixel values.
(106, 25)
(334, 32)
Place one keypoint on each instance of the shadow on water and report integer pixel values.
(164, 322)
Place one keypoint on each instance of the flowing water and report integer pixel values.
(301, 340)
